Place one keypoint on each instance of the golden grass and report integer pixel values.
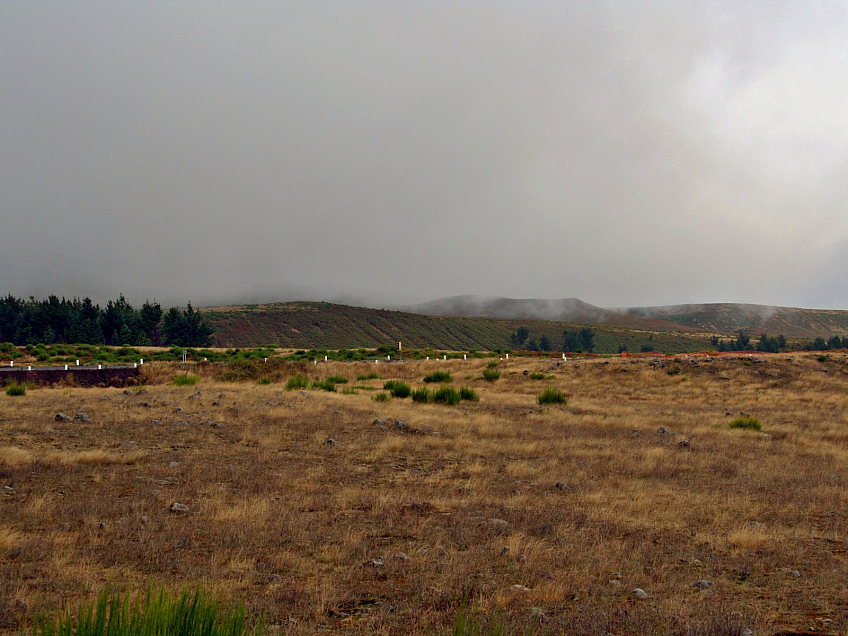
(579, 503)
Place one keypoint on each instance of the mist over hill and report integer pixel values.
(562, 310)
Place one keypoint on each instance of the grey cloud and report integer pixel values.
(622, 153)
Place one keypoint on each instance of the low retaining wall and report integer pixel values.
(80, 377)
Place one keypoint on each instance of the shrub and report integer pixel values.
(337, 379)
(438, 376)
(160, 612)
(537, 376)
(264, 380)
(398, 389)
(751, 423)
(422, 394)
(187, 379)
(17, 388)
(491, 364)
(467, 393)
(348, 391)
(297, 382)
(822, 358)
(446, 395)
(552, 395)
(381, 397)
(490, 375)
(369, 376)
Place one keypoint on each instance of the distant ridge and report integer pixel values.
(755, 319)
(560, 310)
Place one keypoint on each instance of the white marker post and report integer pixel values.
(325, 358)
(66, 367)
(29, 368)
(140, 361)
(99, 367)
(11, 363)
(446, 356)
(388, 357)
(77, 362)
(464, 357)
(507, 356)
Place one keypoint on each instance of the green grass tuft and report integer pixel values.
(369, 376)
(297, 382)
(439, 376)
(750, 423)
(467, 393)
(446, 395)
(491, 374)
(187, 379)
(158, 613)
(381, 397)
(551, 395)
(15, 389)
(398, 389)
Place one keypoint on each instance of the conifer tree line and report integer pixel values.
(76, 321)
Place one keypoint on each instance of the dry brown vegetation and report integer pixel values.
(558, 511)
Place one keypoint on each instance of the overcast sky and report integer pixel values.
(625, 153)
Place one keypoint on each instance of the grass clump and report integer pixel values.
(398, 389)
(537, 376)
(490, 374)
(297, 382)
(422, 395)
(15, 389)
(264, 380)
(187, 379)
(745, 422)
(337, 379)
(368, 376)
(325, 385)
(162, 612)
(469, 394)
(381, 397)
(551, 395)
(438, 376)
(348, 391)
(446, 395)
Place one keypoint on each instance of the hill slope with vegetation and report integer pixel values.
(755, 319)
(307, 325)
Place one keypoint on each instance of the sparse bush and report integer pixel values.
(264, 380)
(297, 382)
(439, 376)
(187, 379)
(369, 376)
(822, 358)
(398, 389)
(491, 364)
(348, 391)
(337, 379)
(446, 395)
(537, 376)
(551, 395)
(490, 375)
(381, 397)
(747, 422)
(422, 394)
(467, 393)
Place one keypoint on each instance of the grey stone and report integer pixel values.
(60, 417)
(702, 584)
(500, 525)
(83, 417)
(178, 508)
(561, 486)
(331, 442)
(639, 593)
(376, 562)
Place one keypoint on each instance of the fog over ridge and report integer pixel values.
(389, 154)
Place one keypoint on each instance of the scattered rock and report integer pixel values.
(331, 442)
(684, 443)
(64, 527)
(501, 526)
(178, 508)
(194, 396)
(274, 578)
(381, 424)
(747, 632)
(791, 572)
(376, 562)
(662, 430)
(560, 486)
(60, 417)
(180, 411)
(537, 613)
(702, 585)
(402, 556)
(145, 404)
(155, 421)
(520, 588)
(639, 593)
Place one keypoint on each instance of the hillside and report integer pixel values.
(571, 310)
(311, 325)
(756, 319)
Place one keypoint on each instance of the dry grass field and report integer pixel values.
(323, 521)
